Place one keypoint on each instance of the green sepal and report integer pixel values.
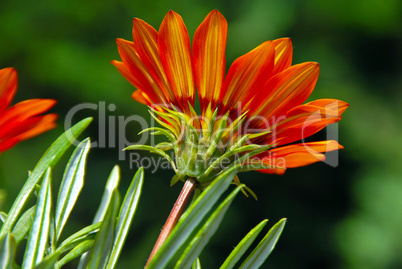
(153, 150)
(238, 163)
(245, 189)
(216, 136)
(175, 179)
(236, 124)
(167, 126)
(204, 177)
(158, 131)
(259, 134)
(240, 142)
(211, 126)
(164, 146)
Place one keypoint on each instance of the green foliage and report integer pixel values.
(7, 251)
(99, 245)
(65, 55)
(43, 227)
(203, 235)
(244, 244)
(265, 247)
(49, 159)
(71, 185)
(38, 234)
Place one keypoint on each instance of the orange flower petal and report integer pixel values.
(25, 109)
(297, 155)
(247, 74)
(305, 153)
(141, 97)
(136, 72)
(175, 53)
(21, 121)
(125, 72)
(46, 122)
(145, 42)
(277, 171)
(300, 122)
(8, 143)
(209, 57)
(310, 147)
(26, 129)
(283, 54)
(8, 87)
(286, 90)
(335, 105)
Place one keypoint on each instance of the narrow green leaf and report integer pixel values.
(80, 249)
(49, 262)
(126, 215)
(71, 185)
(196, 264)
(265, 247)
(203, 235)
(104, 238)
(52, 235)
(82, 235)
(111, 185)
(40, 227)
(3, 216)
(242, 247)
(191, 219)
(49, 159)
(24, 224)
(8, 247)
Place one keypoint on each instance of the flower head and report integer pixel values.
(22, 120)
(250, 116)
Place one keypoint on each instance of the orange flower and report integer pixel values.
(22, 120)
(261, 85)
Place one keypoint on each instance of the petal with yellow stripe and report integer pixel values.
(209, 57)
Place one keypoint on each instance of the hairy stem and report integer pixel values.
(174, 215)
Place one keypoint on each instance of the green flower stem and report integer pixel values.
(174, 215)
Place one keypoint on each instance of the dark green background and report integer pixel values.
(344, 217)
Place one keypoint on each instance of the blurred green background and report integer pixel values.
(344, 217)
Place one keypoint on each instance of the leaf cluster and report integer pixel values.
(99, 245)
